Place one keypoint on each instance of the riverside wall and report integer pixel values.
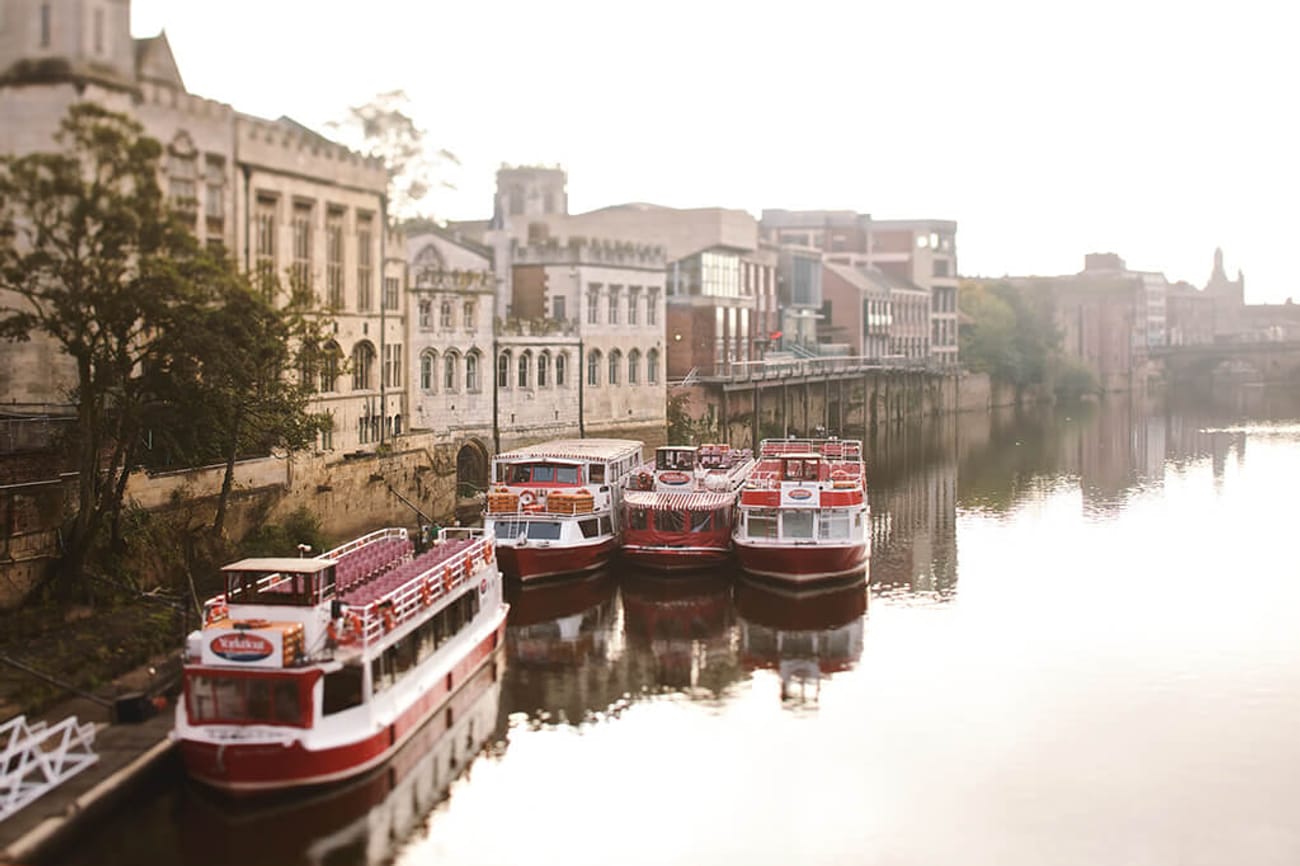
(443, 474)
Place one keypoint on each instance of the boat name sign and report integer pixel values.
(245, 648)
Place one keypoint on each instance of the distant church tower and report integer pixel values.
(1229, 298)
(526, 192)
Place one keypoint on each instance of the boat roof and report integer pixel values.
(575, 449)
(282, 564)
(678, 448)
(794, 455)
(679, 501)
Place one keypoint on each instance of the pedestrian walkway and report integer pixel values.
(125, 751)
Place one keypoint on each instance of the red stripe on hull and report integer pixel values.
(252, 768)
(806, 563)
(532, 562)
(675, 558)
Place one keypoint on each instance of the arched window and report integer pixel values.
(450, 371)
(363, 366)
(329, 367)
(543, 370)
(525, 361)
(429, 371)
(561, 368)
(471, 371)
(652, 366)
(503, 370)
(633, 367)
(615, 362)
(593, 368)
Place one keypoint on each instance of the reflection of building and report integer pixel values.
(283, 200)
(803, 635)
(912, 488)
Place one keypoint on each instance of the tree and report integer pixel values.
(92, 257)
(246, 371)
(1005, 334)
(383, 128)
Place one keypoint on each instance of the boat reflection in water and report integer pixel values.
(679, 632)
(366, 821)
(802, 635)
(559, 623)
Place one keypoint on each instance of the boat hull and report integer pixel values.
(253, 768)
(532, 562)
(674, 559)
(804, 563)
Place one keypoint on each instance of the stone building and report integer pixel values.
(860, 310)
(280, 198)
(592, 314)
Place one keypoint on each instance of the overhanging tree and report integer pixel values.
(92, 257)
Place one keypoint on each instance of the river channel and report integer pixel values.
(1079, 644)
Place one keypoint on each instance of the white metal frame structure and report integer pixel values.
(37, 758)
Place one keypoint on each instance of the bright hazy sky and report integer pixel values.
(1158, 130)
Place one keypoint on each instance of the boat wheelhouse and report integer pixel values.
(310, 671)
(803, 512)
(678, 510)
(553, 507)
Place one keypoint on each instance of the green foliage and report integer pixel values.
(383, 128)
(1074, 381)
(282, 539)
(105, 270)
(1006, 334)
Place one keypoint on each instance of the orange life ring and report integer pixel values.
(388, 618)
(331, 635)
(447, 579)
(352, 629)
(487, 553)
(426, 593)
(469, 567)
(527, 498)
(217, 612)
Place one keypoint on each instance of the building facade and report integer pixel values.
(291, 207)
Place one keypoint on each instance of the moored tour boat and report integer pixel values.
(310, 671)
(678, 510)
(803, 512)
(553, 507)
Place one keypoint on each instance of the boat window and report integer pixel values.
(544, 531)
(543, 474)
(636, 519)
(589, 528)
(507, 528)
(761, 524)
(596, 472)
(700, 520)
(606, 526)
(259, 700)
(342, 690)
(269, 700)
(675, 460)
(721, 520)
(247, 587)
(797, 524)
(834, 524)
(405, 657)
(670, 521)
(566, 474)
(521, 474)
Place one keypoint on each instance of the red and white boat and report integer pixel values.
(678, 509)
(310, 671)
(803, 512)
(553, 507)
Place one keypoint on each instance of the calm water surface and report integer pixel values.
(1079, 645)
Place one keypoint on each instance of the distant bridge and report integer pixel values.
(1263, 361)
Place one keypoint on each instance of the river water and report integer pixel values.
(1079, 644)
